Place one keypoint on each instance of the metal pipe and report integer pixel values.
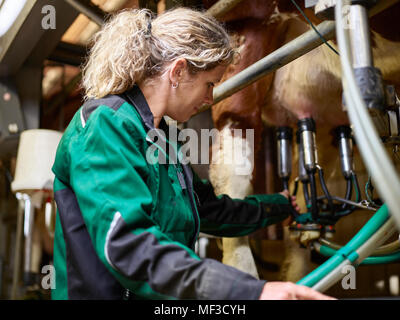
(284, 140)
(360, 37)
(87, 8)
(280, 57)
(306, 129)
(284, 158)
(303, 176)
(352, 203)
(345, 142)
(222, 7)
(310, 156)
(346, 156)
(307, 138)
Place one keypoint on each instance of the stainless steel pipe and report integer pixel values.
(280, 57)
(284, 141)
(360, 37)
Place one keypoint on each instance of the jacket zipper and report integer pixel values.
(191, 193)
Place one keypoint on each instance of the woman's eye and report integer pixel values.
(210, 84)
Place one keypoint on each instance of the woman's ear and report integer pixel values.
(177, 71)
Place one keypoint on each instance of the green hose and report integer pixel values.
(348, 251)
(394, 257)
(373, 224)
(316, 275)
(388, 258)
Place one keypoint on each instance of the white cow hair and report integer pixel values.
(296, 260)
(236, 251)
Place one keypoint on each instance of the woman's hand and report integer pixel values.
(276, 290)
(285, 193)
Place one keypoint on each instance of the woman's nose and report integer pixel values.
(209, 99)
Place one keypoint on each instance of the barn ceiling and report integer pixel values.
(61, 73)
(40, 67)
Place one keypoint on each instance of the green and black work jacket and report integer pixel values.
(127, 224)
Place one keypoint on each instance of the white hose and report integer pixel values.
(380, 237)
(371, 148)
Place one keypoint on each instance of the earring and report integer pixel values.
(175, 85)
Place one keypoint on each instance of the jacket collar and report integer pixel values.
(136, 97)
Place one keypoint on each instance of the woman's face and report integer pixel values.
(193, 92)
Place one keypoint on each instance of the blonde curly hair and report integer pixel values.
(133, 47)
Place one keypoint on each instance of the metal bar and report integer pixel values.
(356, 204)
(280, 57)
(87, 8)
(222, 7)
(360, 38)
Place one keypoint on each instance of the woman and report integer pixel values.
(127, 227)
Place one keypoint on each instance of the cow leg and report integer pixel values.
(296, 263)
(237, 253)
(231, 174)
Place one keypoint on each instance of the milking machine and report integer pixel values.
(373, 110)
(325, 210)
(314, 226)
